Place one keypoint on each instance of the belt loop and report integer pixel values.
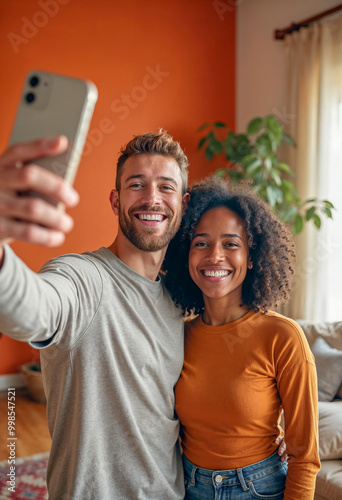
(242, 480)
(193, 475)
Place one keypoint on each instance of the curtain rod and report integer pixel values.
(280, 34)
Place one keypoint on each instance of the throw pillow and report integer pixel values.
(331, 332)
(330, 430)
(329, 369)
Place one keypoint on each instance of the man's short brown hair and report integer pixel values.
(160, 143)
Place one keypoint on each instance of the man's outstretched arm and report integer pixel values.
(28, 218)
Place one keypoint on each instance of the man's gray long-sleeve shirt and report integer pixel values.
(112, 352)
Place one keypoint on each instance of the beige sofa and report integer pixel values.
(325, 340)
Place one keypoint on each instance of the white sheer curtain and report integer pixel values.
(314, 101)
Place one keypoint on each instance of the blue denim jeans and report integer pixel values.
(264, 480)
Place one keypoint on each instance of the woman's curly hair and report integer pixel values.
(270, 243)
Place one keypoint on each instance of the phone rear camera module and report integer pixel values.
(34, 81)
(30, 97)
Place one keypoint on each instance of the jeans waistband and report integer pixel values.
(230, 477)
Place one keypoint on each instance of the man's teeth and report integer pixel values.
(216, 274)
(157, 217)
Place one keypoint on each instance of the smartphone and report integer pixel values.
(50, 105)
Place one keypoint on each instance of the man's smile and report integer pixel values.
(151, 218)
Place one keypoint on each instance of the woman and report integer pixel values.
(231, 263)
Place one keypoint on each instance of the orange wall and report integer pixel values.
(117, 44)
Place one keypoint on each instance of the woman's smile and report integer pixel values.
(215, 274)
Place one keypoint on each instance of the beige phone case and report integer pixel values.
(51, 105)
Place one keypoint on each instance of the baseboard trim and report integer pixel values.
(15, 380)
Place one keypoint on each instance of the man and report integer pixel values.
(111, 339)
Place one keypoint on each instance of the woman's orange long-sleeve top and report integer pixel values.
(235, 381)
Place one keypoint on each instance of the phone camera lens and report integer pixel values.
(30, 97)
(34, 81)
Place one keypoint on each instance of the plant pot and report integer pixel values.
(33, 381)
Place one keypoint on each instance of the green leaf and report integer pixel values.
(236, 147)
(317, 221)
(243, 149)
(221, 172)
(268, 164)
(230, 152)
(290, 187)
(202, 127)
(274, 195)
(215, 146)
(252, 167)
(264, 145)
(275, 176)
(310, 213)
(289, 213)
(249, 159)
(328, 211)
(258, 179)
(328, 204)
(274, 129)
(201, 142)
(241, 138)
(288, 140)
(254, 126)
(209, 154)
(280, 195)
(219, 125)
(285, 168)
(298, 224)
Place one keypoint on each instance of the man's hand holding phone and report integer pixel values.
(30, 189)
(28, 218)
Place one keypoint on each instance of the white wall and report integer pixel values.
(260, 58)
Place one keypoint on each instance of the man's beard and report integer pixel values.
(142, 239)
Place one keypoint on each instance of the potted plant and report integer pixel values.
(253, 155)
(32, 375)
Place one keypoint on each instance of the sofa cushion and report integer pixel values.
(329, 369)
(329, 480)
(331, 332)
(330, 430)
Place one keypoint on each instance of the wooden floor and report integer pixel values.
(31, 426)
